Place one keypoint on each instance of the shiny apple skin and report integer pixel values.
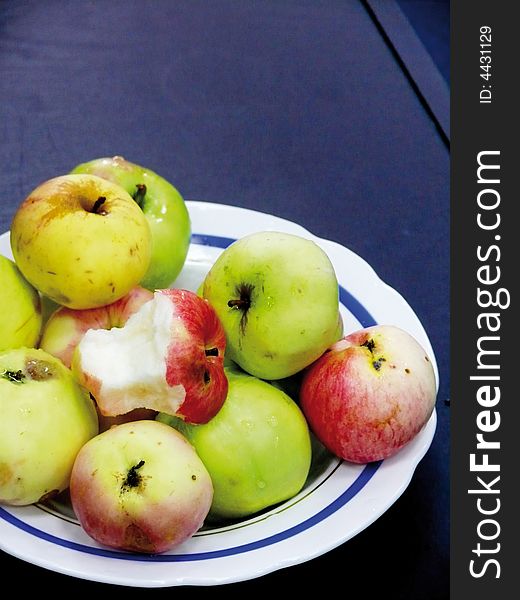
(81, 241)
(140, 487)
(370, 394)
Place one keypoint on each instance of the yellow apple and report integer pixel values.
(20, 314)
(80, 240)
(46, 418)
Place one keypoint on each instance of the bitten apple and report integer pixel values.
(140, 487)
(370, 394)
(169, 357)
(66, 327)
(81, 241)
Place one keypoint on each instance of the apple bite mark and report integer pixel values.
(125, 368)
(168, 357)
(66, 326)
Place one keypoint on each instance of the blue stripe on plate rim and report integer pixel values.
(366, 320)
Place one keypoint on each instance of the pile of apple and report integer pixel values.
(159, 409)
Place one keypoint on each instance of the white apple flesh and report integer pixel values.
(140, 487)
(66, 327)
(168, 357)
(370, 394)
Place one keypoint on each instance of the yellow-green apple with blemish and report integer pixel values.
(140, 487)
(257, 448)
(81, 240)
(66, 327)
(164, 208)
(370, 394)
(277, 296)
(167, 357)
(20, 313)
(46, 417)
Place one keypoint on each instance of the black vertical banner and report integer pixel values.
(485, 324)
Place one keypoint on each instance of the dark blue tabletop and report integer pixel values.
(298, 108)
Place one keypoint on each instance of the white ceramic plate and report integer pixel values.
(338, 501)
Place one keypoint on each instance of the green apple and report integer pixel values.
(81, 241)
(257, 448)
(164, 209)
(46, 419)
(276, 295)
(20, 315)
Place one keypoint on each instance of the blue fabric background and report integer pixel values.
(296, 108)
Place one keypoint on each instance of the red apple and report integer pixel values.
(140, 487)
(168, 357)
(369, 394)
(66, 326)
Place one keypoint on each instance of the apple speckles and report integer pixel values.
(377, 363)
(6, 473)
(407, 371)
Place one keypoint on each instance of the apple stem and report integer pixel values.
(97, 205)
(14, 376)
(139, 194)
(133, 478)
(239, 303)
